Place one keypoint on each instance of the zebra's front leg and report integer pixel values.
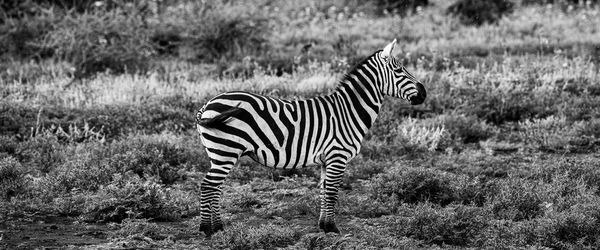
(329, 195)
(210, 196)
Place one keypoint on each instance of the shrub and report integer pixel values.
(413, 134)
(548, 134)
(12, 180)
(97, 41)
(362, 206)
(454, 225)
(467, 129)
(560, 2)
(265, 236)
(575, 228)
(498, 107)
(216, 30)
(478, 12)
(22, 37)
(129, 199)
(8, 146)
(399, 6)
(42, 153)
(412, 185)
(139, 229)
(518, 199)
(162, 157)
(111, 121)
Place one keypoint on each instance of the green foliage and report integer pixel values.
(265, 236)
(97, 41)
(478, 12)
(12, 180)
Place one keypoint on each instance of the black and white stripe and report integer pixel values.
(323, 131)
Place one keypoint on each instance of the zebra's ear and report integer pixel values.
(387, 51)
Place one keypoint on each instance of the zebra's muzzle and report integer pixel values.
(419, 98)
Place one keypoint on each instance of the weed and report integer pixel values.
(131, 199)
(101, 40)
(479, 12)
(240, 236)
(12, 180)
(412, 185)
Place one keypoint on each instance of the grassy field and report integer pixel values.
(98, 147)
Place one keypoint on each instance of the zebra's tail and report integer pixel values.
(218, 120)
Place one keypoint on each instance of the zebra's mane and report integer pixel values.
(344, 80)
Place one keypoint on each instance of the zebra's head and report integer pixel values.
(397, 81)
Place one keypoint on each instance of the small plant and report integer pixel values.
(550, 133)
(216, 30)
(518, 199)
(412, 185)
(478, 12)
(241, 236)
(412, 134)
(12, 180)
(101, 40)
(399, 6)
(453, 225)
(132, 199)
(139, 229)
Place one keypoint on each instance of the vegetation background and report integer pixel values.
(98, 147)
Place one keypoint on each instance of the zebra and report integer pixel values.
(322, 131)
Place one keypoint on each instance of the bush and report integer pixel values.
(497, 107)
(12, 180)
(518, 199)
(478, 12)
(163, 157)
(560, 2)
(140, 229)
(215, 30)
(42, 153)
(413, 134)
(576, 228)
(21, 38)
(399, 6)
(129, 198)
(267, 236)
(97, 41)
(412, 185)
(111, 121)
(467, 129)
(455, 225)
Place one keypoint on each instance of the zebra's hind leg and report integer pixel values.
(210, 195)
(332, 178)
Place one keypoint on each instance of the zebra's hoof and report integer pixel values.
(206, 229)
(329, 227)
(217, 227)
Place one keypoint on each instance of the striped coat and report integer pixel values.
(323, 131)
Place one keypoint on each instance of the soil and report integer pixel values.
(49, 233)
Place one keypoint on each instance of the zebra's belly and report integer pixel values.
(282, 161)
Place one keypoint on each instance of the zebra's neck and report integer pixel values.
(358, 97)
